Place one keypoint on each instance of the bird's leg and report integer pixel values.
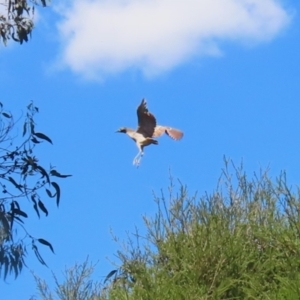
(137, 159)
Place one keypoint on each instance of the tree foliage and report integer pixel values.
(22, 178)
(17, 19)
(77, 286)
(242, 241)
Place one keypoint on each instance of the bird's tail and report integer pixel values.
(151, 141)
(155, 142)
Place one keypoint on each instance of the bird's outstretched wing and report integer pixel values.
(175, 134)
(146, 121)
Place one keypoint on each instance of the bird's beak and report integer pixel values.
(117, 131)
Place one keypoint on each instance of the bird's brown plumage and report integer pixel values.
(146, 121)
(147, 124)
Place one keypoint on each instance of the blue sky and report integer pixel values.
(227, 74)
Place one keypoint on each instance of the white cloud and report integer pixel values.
(111, 36)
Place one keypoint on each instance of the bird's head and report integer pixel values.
(122, 129)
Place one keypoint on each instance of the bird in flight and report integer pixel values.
(147, 130)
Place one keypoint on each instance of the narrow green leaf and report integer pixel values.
(56, 186)
(19, 212)
(32, 127)
(38, 255)
(14, 264)
(16, 218)
(36, 209)
(9, 6)
(43, 137)
(35, 205)
(42, 207)
(6, 264)
(57, 174)
(15, 203)
(2, 252)
(18, 186)
(24, 128)
(34, 140)
(6, 115)
(20, 265)
(109, 275)
(46, 243)
(49, 193)
(44, 173)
